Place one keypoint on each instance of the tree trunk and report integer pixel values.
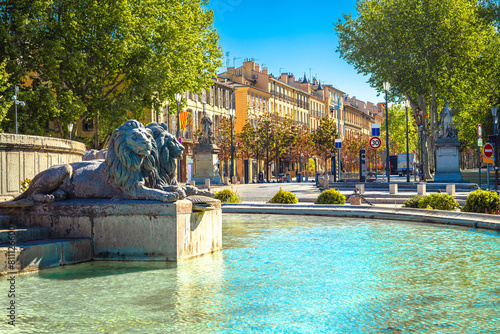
(96, 131)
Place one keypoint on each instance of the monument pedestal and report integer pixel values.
(127, 230)
(206, 164)
(447, 160)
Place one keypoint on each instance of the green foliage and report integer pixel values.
(105, 60)
(5, 101)
(439, 201)
(430, 51)
(25, 184)
(284, 197)
(330, 196)
(227, 196)
(482, 201)
(412, 202)
(434, 201)
(323, 138)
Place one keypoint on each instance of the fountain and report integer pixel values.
(126, 207)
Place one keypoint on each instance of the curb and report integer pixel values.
(472, 220)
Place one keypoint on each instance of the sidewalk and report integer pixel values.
(307, 192)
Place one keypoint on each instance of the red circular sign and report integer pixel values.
(479, 131)
(488, 150)
(375, 142)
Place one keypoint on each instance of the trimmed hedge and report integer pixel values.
(284, 197)
(227, 196)
(482, 201)
(435, 201)
(330, 196)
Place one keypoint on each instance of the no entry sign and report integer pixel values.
(488, 150)
(375, 142)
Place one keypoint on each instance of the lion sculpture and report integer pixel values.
(120, 176)
(168, 149)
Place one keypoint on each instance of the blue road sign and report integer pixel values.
(338, 143)
(375, 130)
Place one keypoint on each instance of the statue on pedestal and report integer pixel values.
(207, 136)
(446, 127)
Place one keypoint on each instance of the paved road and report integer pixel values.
(308, 192)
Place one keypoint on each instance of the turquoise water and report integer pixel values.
(281, 274)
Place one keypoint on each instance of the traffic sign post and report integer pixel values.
(338, 145)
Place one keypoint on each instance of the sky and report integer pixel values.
(290, 36)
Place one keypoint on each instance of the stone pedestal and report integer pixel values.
(129, 230)
(206, 164)
(447, 160)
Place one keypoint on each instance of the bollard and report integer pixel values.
(393, 188)
(330, 178)
(450, 189)
(234, 180)
(355, 200)
(207, 183)
(421, 189)
(242, 180)
(192, 183)
(226, 180)
(360, 188)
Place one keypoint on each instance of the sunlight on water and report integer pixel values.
(281, 274)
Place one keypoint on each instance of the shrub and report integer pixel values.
(412, 202)
(330, 196)
(482, 201)
(227, 196)
(439, 201)
(284, 197)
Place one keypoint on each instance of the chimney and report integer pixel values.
(257, 68)
(265, 71)
(283, 77)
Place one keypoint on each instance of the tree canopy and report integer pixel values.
(429, 50)
(105, 60)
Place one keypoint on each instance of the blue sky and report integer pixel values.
(296, 36)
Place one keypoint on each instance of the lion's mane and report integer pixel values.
(125, 167)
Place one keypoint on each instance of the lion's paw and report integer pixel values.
(43, 198)
(170, 197)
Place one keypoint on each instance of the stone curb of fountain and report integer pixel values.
(473, 220)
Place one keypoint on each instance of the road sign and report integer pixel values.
(375, 142)
(338, 143)
(488, 161)
(488, 150)
(375, 129)
(479, 142)
(479, 131)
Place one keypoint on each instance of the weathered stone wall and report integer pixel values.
(24, 156)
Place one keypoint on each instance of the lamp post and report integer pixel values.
(267, 151)
(407, 104)
(16, 102)
(70, 129)
(178, 98)
(495, 132)
(339, 163)
(387, 86)
(334, 171)
(231, 114)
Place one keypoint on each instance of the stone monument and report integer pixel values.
(128, 206)
(205, 155)
(447, 145)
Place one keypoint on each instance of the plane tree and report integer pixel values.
(105, 60)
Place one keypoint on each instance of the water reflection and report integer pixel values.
(283, 274)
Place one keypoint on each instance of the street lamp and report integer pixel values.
(178, 98)
(495, 132)
(232, 105)
(70, 129)
(387, 86)
(407, 104)
(16, 102)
